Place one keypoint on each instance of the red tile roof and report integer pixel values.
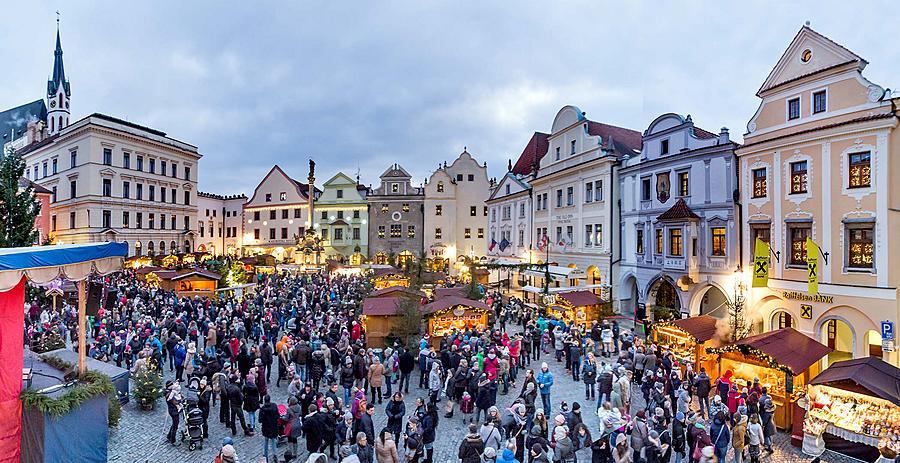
(788, 347)
(398, 290)
(580, 298)
(452, 301)
(701, 327)
(458, 291)
(380, 306)
(625, 139)
(704, 134)
(679, 211)
(535, 150)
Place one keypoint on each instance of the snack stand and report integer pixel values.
(453, 312)
(854, 409)
(688, 339)
(784, 360)
(388, 278)
(582, 306)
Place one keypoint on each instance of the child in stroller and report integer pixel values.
(193, 417)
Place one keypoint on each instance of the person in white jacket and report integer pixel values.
(755, 437)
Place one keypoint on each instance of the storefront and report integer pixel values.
(192, 283)
(451, 313)
(581, 306)
(688, 339)
(784, 360)
(387, 277)
(854, 409)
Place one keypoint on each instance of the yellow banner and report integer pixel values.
(761, 264)
(812, 266)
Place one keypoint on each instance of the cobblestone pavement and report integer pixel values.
(140, 436)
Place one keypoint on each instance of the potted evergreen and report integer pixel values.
(148, 386)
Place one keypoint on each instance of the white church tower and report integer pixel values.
(58, 92)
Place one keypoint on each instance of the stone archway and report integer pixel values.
(663, 299)
(631, 298)
(711, 301)
(844, 329)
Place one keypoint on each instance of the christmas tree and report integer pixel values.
(18, 204)
(148, 386)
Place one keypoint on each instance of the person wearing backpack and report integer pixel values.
(739, 437)
(720, 435)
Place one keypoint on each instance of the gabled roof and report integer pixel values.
(788, 347)
(396, 290)
(704, 134)
(827, 55)
(380, 306)
(619, 138)
(580, 298)
(14, 121)
(396, 171)
(302, 188)
(531, 156)
(679, 211)
(452, 301)
(509, 177)
(23, 182)
(202, 273)
(457, 291)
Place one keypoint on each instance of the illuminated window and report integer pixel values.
(438, 234)
(684, 187)
(659, 241)
(719, 245)
(798, 177)
(384, 208)
(396, 230)
(381, 231)
(481, 233)
(759, 183)
(798, 234)
(675, 244)
(860, 170)
(440, 187)
(438, 209)
(639, 239)
(861, 246)
(410, 231)
(405, 207)
(473, 211)
(467, 233)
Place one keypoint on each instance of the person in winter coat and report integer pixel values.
(471, 447)
(386, 448)
(294, 422)
(365, 423)
(622, 453)
(434, 382)
(251, 402)
(485, 397)
(538, 454)
(702, 387)
(491, 364)
(717, 406)
(767, 414)
(683, 398)
(376, 379)
(589, 375)
(395, 411)
(720, 435)
(236, 404)
(178, 354)
(738, 432)
(564, 452)
(362, 449)
(174, 404)
(679, 437)
(755, 438)
(653, 450)
(545, 383)
(268, 422)
(313, 429)
(639, 434)
(406, 364)
(490, 435)
(535, 437)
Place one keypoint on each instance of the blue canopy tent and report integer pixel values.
(40, 264)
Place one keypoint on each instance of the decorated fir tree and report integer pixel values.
(148, 386)
(18, 204)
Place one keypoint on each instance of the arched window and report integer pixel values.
(60, 123)
(187, 246)
(137, 248)
(60, 101)
(150, 248)
(162, 247)
(173, 246)
(51, 124)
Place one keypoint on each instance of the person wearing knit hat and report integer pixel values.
(489, 455)
(228, 454)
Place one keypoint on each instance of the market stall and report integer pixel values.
(854, 409)
(688, 339)
(385, 278)
(784, 360)
(582, 306)
(453, 312)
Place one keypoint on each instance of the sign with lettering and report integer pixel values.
(798, 296)
(806, 311)
(812, 266)
(887, 329)
(761, 264)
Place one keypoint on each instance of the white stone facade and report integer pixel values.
(220, 223)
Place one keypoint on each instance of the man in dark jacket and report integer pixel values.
(365, 424)
(406, 363)
(268, 421)
(265, 354)
(236, 402)
(395, 410)
(301, 355)
(702, 386)
(313, 427)
(471, 447)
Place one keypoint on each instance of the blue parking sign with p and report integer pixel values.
(887, 330)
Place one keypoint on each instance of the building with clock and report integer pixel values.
(574, 200)
(342, 219)
(456, 214)
(396, 218)
(817, 163)
(679, 227)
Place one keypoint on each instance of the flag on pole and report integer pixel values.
(545, 241)
(761, 264)
(492, 245)
(812, 266)
(504, 244)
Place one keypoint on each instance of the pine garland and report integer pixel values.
(90, 384)
(750, 352)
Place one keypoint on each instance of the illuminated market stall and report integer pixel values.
(688, 339)
(385, 278)
(854, 409)
(453, 312)
(383, 315)
(581, 306)
(783, 360)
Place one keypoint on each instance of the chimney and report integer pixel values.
(723, 136)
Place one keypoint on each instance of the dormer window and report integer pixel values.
(395, 187)
(820, 101)
(663, 147)
(794, 108)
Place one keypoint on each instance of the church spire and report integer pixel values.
(58, 91)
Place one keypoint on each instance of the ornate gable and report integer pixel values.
(810, 52)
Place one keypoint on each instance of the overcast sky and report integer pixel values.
(360, 85)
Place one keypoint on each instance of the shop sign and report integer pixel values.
(887, 329)
(796, 295)
(887, 345)
(564, 218)
(806, 311)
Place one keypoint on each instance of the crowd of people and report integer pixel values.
(302, 332)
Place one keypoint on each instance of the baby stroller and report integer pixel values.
(193, 420)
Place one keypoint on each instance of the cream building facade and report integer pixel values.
(679, 227)
(573, 198)
(342, 219)
(113, 180)
(818, 161)
(276, 214)
(455, 211)
(220, 223)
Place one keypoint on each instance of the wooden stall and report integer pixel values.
(688, 339)
(784, 360)
(582, 306)
(450, 313)
(387, 277)
(380, 316)
(187, 283)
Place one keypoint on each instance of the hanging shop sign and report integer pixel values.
(798, 296)
(806, 311)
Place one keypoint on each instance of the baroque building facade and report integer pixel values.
(679, 228)
(396, 218)
(817, 163)
(277, 214)
(342, 219)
